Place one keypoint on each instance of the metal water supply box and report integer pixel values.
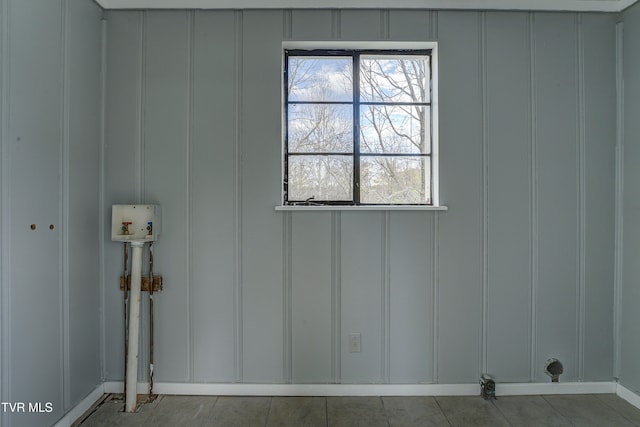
(140, 223)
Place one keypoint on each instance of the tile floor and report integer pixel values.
(603, 410)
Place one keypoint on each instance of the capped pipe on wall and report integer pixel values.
(135, 225)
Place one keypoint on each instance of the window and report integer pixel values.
(359, 127)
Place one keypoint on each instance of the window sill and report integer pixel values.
(362, 208)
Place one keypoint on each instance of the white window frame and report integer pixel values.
(370, 45)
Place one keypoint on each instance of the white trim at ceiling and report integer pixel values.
(550, 5)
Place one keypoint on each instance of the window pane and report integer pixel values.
(320, 78)
(394, 129)
(320, 177)
(394, 78)
(395, 180)
(320, 128)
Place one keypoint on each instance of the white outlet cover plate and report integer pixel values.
(355, 342)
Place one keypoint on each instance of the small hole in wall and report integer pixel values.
(33, 226)
(553, 367)
(51, 227)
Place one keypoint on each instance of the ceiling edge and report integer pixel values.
(624, 4)
(535, 5)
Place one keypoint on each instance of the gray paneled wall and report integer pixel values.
(51, 132)
(597, 154)
(509, 201)
(459, 283)
(630, 292)
(518, 270)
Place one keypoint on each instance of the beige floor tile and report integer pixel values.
(621, 406)
(413, 411)
(530, 411)
(355, 412)
(192, 411)
(247, 411)
(471, 411)
(298, 412)
(587, 410)
(110, 414)
(240, 411)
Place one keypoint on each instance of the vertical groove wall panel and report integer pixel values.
(189, 181)
(507, 102)
(557, 161)
(63, 226)
(84, 181)
(336, 24)
(122, 162)
(410, 256)
(287, 256)
(102, 217)
(385, 306)
(435, 297)
(237, 196)
(34, 141)
(165, 159)
(336, 297)
(311, 24)
(5, 260)
(435, 264)
(262, 227)
(485, 190)
(413, 25)
(460, 228)
(287, 314)
(311, 297)
(533, 203)
(600, 121)
(581, 193)
(361, 24)
(293, 276)
(411, 288)
(619, 197)
(287, 24)
(211, 174)
(630, 316)
(51, 289)
(312, 257)
(361, 285)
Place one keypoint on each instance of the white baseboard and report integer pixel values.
(77, 411)
(628, 395)
(237, 389)
(526, 389)
(241, 389)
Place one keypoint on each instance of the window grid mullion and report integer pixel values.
(356, 128)
(372, 154)
(356, 104)
(398, 103)
(430, 136)
(285, 77)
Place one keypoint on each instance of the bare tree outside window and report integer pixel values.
(358, 128)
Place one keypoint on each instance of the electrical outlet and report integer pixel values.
(354, 342)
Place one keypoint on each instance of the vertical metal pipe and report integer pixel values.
(124, 300)
(134, 327)
(150, 319)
